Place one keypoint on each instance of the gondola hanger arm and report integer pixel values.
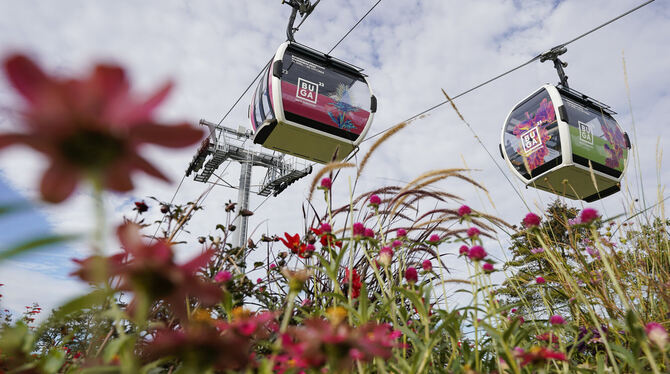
(302, 7)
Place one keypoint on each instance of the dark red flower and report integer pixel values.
(326, 238)
(90, 127)
(410, 275)
(150, 272)
(141, 207)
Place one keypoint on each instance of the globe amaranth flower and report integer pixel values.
(487, 267)
(369, 233)
(477, 253)
(149, 271)
(588, 215)
(434, 238)
(90, 128)
(463, 250)
(427, 265)
(358, 229)
(400, 233)
(375, 200)
(411, 275)
(396, 243)
(531, 220)
(557, 320)
(326, 183)
(540, 280)
(657, 334)
(473, 232)
(385, 256)
(464, 210)
(223, 276)
(325, 227)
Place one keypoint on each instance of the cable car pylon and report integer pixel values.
(226, 144)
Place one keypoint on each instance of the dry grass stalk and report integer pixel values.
(326, 169)
(379, 141)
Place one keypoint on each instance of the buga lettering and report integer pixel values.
(308, 91)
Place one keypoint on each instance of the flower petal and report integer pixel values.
(142, 111)
(58, 182)
(26, 76)
(198, 262)
(117, 177)
(178, 136)
(145, 166)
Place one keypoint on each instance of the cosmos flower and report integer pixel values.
(89, 128)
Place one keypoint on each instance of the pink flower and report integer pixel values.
(464, 210)
(463, 250)
(359, 229)
(411, 275)
(396, 243)
(273, 266)
(657, 334)
(223, 276)
(325, 227)
(588, 215)
(473, 231)
(531, 220)
(375, 200)
(434, 238)
(513, 310)
(310, 248)
(556, 320)
(326, 183)
(540, 280)
(401, 233)
(537, 250)
(385, 256)
(369, 233)
(488, 268)
(427, 265)
(259, 280)
(90, 127)
(477, 253)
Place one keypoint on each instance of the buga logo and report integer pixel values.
(531, 140)
(307, 90)
(585, 133)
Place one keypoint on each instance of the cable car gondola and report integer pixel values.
(309, 104)
(564, 142)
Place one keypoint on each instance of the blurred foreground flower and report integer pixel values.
(657, 334)
(538, 355)
(89, 128)
(149, 271)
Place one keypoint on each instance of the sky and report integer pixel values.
(410, 51)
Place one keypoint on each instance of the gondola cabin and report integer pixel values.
(308, 104)
(566, 143)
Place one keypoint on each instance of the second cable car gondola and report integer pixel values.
(309, 104)
(565, 142)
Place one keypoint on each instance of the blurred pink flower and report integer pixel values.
(223, 276)
(385, 256)
(463, 250)
(89, 128)
(588, 215)
(477, 253)
(540, 280)
(434, 238)
(396, 243)
(325, 227)
(556, 320)
(358, 229)
(401, 233)
(537, 250)
(375, 200)
(411, 275)
(427, 265)
(326, 183)
(369, 233)
(488, 268)
(464, 210)
(473, 231)
(657, 334)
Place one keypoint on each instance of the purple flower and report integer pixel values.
(369, 233)
(463, 250)
(427, 265)
(540, 280)
(537, 250)
(488, 268)
(375, 200)
(593, 252)
(588, 215)
(477, 253)
(401, 233)
(223, 276)
(531, 220)
(411, 275)
(464, 210)
(556, 320)
(359, 229)
(473, 231)
(326, 183)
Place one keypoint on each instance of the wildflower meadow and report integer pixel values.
(364, 285)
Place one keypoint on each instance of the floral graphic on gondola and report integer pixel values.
(534, 131)
(614, 146)
(343, 107)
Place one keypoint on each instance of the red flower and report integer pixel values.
(463, 250)
(91, 127)
(531, 220)
(151, 273)
(326, 238)
(141, 207)
(538, 355)
(358, 229)
(294, 244)
(355, 280)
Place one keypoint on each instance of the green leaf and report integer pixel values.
(34, 244)
(115, 346)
